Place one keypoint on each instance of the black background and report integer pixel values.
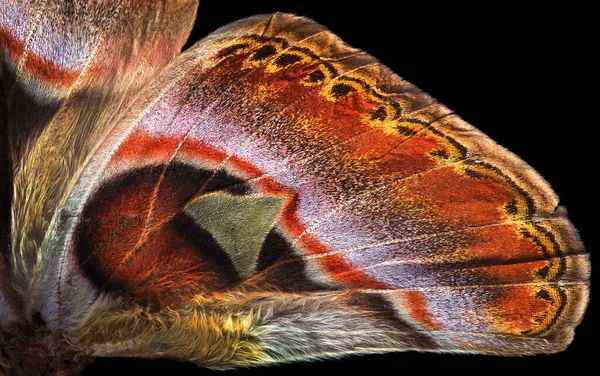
(518, 74)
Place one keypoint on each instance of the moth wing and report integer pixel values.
(68, 69)
(276, 195)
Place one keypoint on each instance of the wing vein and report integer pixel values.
(313, 226)
(426, 236)
(34, 27)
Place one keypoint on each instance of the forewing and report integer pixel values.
(278, 195)
(69, 68)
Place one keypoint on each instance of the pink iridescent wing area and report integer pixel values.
(285, 196)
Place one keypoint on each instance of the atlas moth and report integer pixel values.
(269, 195)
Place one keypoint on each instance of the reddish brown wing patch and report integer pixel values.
(47, 71)
(151, 260)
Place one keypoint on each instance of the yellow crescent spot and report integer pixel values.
(544, 319)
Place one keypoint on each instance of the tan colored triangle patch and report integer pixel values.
(239, 224)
